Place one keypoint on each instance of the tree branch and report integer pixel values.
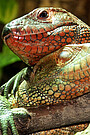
(55, 116)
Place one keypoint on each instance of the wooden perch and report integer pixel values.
(49, 117)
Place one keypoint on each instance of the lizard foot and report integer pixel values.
(7, 116)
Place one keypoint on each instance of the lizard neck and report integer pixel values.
(84, 35)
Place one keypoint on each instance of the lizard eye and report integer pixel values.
(43, 15)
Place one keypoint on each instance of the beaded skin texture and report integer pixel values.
(56, 44)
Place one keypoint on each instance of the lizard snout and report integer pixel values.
(5, 33)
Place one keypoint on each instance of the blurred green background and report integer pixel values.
(10, 64)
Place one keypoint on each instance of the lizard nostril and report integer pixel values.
(5, 32)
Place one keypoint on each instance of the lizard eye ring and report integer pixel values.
(43, 15)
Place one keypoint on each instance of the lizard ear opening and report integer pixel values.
(65, 56)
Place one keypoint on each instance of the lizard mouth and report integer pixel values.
(7, 30)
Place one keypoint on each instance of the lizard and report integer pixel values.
(56, 44)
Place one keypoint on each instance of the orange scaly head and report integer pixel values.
(43, 31)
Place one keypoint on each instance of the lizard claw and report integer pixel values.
(18, 78)
(23, 74)
(7, 115)
(14, 82)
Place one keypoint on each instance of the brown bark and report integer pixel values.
(79, 8)
(49, 117)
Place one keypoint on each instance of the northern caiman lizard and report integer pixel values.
(57, 44)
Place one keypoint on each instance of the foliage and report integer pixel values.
(8, 10)
(7, 57)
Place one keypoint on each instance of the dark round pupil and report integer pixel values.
(44, 14)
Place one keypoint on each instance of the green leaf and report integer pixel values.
(7, 57)
(8, 10)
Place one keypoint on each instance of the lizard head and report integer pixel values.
(41, 32)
